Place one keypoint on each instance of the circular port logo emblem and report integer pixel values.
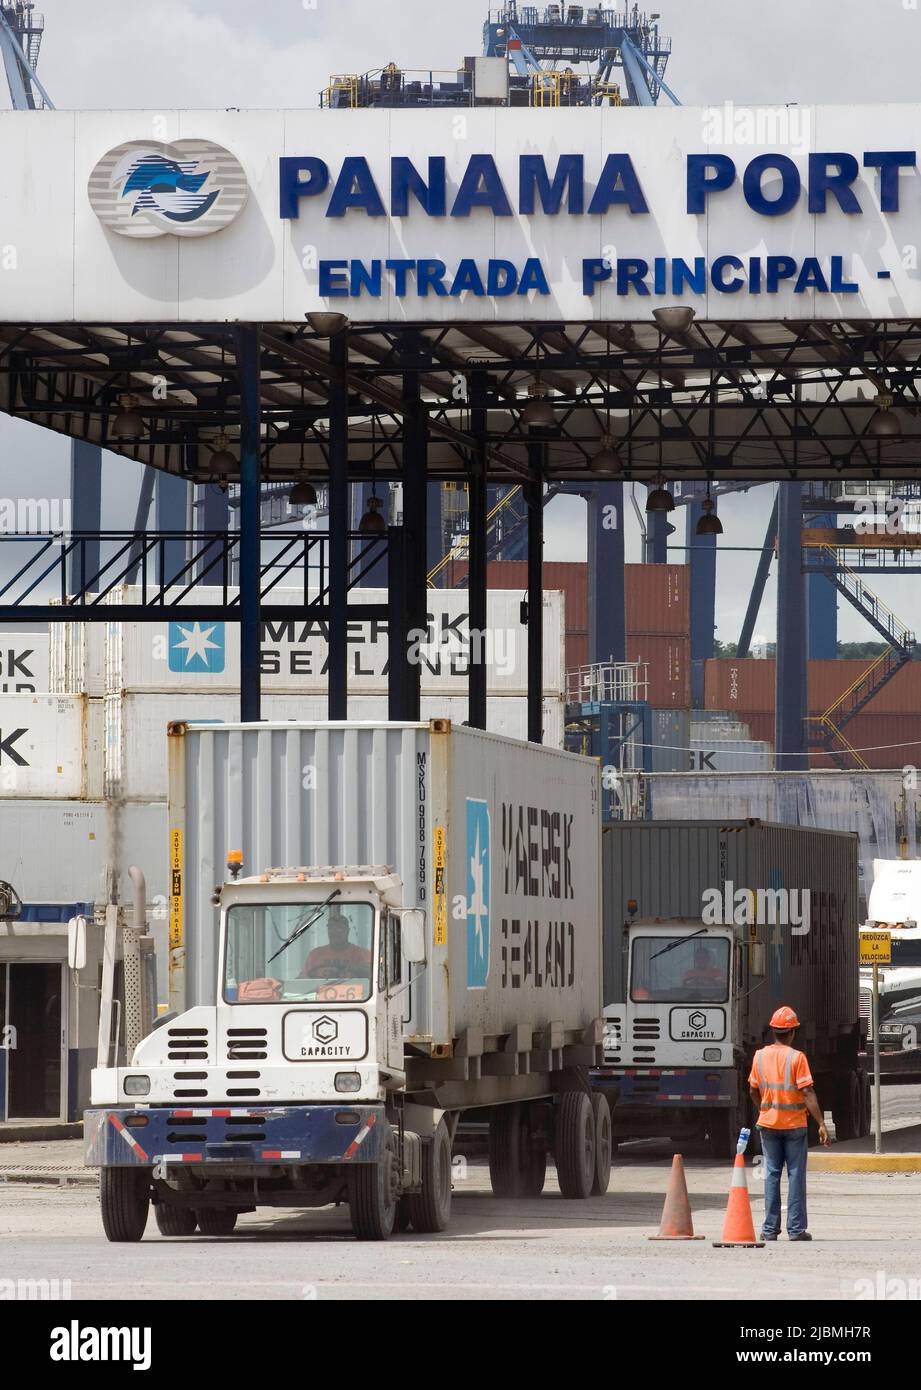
(146, 188)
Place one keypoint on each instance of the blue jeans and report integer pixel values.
(784, 1146)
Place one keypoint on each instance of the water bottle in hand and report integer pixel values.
(744, 1136)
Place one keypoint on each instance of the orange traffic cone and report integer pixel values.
(677, 1223)
(739, 1228)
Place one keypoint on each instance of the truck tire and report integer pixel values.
(373, 1190)
(517, 1159)
(430, 1209)
(602, 1114)
(721, 1142)
(846, 1110)
(124, 1199)
(575, 1144)
(866, 1105)
(175, 1221)
(216, 1221)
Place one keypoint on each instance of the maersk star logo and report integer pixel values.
(151, 188)
(477, 894)
(196, 647)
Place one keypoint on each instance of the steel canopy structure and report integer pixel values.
(725, 402)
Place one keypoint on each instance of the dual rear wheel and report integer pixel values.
(583, 1147)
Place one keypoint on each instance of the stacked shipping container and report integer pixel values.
(147, 676)
(888, 729)
(657, 610)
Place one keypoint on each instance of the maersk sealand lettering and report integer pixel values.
(537, 851)
(539, 954)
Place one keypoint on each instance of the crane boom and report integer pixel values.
(21, 32)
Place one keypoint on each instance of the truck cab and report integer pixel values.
(298, 1064)
(672, 1045)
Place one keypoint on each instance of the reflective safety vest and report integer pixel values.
(781, 1075)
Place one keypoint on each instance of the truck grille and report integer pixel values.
(646, 1029)
(187, 1044)
(866, 1005)
(246, 1044)
(613, 1039)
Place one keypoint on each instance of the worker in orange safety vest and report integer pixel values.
(783, 1092)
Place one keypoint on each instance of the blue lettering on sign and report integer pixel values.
(772, 184)
(478, 893)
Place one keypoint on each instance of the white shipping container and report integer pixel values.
(193, 656)
(498, 841)
(136, 724)
(77, 658)
(51, 746)
(60, 853)
(731, 755)
(24, 658)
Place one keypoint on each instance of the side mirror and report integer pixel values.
(412, 930)
(76, 943)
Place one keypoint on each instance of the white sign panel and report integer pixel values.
(446, 215)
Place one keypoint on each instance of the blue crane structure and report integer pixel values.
(21, 31)
(581, 36)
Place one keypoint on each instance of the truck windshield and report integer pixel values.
(677, 969)
(905, 954)
(331, 960)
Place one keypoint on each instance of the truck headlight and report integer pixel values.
(137, 1085)
(348, 1081)
(711, 1054)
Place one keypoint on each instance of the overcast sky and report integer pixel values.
(155, 54)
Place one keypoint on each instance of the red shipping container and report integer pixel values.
(746, 686)
(742, 686)
(883, 741)
(669, 662)
(828, 680)
(658, 599)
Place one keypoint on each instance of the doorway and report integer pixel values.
(34, 1033)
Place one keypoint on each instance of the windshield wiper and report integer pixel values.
(305, 926)
(680, 942)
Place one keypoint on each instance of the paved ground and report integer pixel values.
(866, 1239)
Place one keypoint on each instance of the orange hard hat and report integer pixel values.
(784, 1018)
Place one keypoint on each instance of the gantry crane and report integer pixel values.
(21, 31)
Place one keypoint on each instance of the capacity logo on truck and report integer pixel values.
(477, 894)
(697, 1025)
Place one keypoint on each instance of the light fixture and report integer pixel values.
(373, 523)
(884, 423)
(326, 323)
(709, 523)
(127, 423)
(303, 494)
(676, 319)
(538, 413)
(222, 460)
(606, 460)
(660, 499)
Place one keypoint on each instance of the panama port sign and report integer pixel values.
(435, 216)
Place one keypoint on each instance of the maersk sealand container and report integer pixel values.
(497, 840)
(748, 916)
